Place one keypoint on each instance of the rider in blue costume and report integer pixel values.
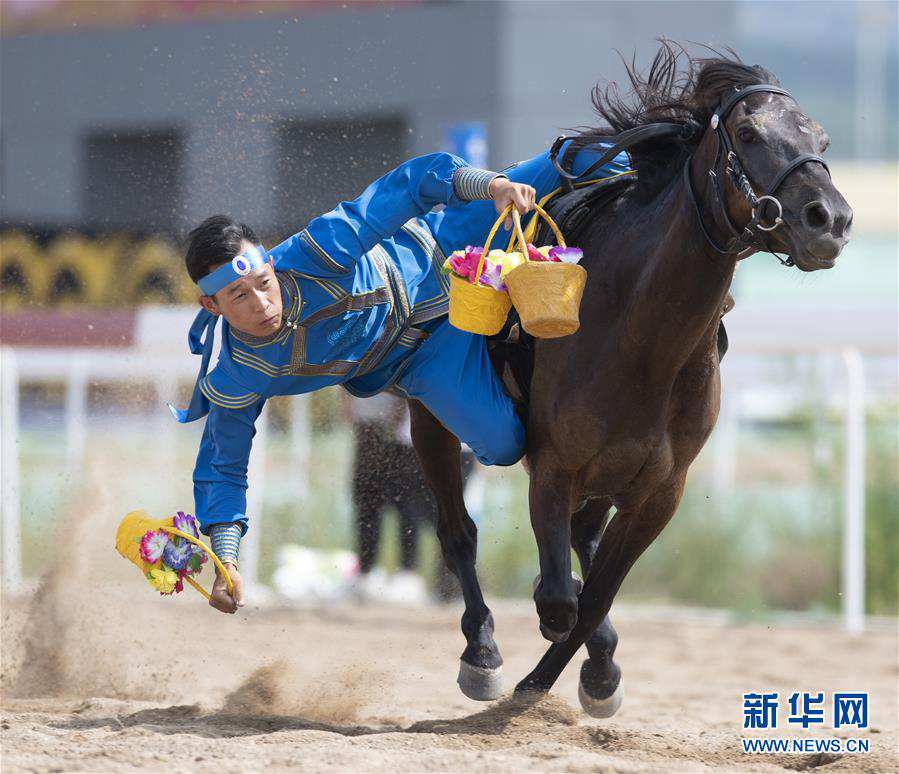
(363, 304)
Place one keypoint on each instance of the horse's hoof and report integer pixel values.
(600, 708)
(480, 683)
(553, 636)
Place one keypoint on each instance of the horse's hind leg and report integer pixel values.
(599, 689)
(438, 453)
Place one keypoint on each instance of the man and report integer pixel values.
(356, 298)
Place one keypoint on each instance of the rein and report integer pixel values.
(752, 235)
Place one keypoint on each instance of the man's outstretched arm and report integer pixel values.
(333, 242)
(220, 491)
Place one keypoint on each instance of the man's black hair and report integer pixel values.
(216, 240)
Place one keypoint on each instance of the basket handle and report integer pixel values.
(486, 250)
(215, 560)
(516, 218)
(516, 221)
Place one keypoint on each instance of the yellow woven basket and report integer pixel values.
(137, 523)
(547, 294)
(476, 308)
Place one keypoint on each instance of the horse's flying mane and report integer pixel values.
(678, 89)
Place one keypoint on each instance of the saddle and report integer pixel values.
(512, 349)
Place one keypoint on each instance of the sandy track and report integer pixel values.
(372, 689)
(100, 674)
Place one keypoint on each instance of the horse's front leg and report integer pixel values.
(626, 537)
(555, 593)
(438, 453)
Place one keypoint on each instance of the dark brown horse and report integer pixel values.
(619, 410)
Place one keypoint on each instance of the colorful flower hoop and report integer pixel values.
(168, 552)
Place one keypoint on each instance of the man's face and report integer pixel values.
(251, 304)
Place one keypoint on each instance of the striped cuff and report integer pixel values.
(471, 184)
(224, 539)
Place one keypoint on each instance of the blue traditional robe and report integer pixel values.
(365, 306)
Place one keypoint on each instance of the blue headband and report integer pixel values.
(239, 266)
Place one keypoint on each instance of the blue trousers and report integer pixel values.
(451, 374)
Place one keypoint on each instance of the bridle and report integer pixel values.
(752, 236)
(748, 238)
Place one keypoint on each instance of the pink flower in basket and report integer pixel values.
(152, 544)
(542, 254)
(464, 263)
(457, 264)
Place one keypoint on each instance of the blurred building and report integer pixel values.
(149, 116)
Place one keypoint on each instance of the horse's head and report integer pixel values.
(750, 157)
(766, 136)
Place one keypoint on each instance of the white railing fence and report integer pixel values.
(78, 368)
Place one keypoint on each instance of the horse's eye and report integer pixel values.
(825, 143)
(746, 135)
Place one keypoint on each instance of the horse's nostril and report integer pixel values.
(816, 215)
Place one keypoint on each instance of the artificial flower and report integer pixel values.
(498, 263)
(464, 263)
(511, 261)
(566, 254)
(541, 254)
(162, 579)
(497, 256)
(186, 523)
(491, 277)
(195, 563)
(534, 254)
(473, 254)
(457, 264)
(177, 553)
(152, 544)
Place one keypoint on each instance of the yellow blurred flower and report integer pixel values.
(162, 580)
(509, 261)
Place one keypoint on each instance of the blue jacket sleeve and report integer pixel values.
(454, 228)
(333, 242)
(220, 475)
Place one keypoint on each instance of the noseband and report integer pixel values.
(752, 236)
